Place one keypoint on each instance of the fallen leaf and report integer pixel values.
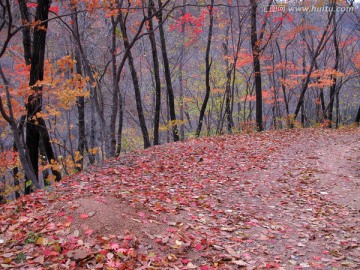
(78, 254)
(240, 263)
(231, 251)
(40, 259)
(110, 256)
(7, 255)
(83, 216)
(190, 265)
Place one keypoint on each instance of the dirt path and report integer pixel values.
(324, 172)
(293, 204)
(305, 204)
(339, 163)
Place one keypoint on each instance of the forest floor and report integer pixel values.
(286, 199)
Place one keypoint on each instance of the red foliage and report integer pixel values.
(194, 26)
(29, 5)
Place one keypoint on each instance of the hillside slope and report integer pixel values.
(285, 199)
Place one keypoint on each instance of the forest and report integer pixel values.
(83, 81)
(180, 134)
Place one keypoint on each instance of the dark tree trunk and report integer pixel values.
(181, 75)
(256, 62)
(302, 106)
(207, 70)
(317, 52)
(238, 47)
(321, 95)
(283, 87)
(120, 124)
(117, 103)
(156, 74)
(135, 83)
(170, 91)
(45, 140)
(302, 119)
(35, 127)
(337, 109)
(357, 117)
(23, 153)
(228, 93)
(322, 103)
(26, 31)
(82, 142)
(115, 88)
(93, 125)
(20, 128)
(228, 97)
(96, 98)
(336, 66)
(82, 66)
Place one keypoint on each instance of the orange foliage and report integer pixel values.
(61, 87)
(293, 81)
(244, 59)
(8, 160)
(325, 77)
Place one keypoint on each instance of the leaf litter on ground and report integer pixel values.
(284, 199)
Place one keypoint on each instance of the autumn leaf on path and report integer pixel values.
(255, 201)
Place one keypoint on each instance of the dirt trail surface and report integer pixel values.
(274, 200)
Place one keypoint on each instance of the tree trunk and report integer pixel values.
(156, 74)
(283, 87)
(228, 93)
(82, 142)
(96, 101)
(120, 124)
(357, 117)
(45, 140)
(170, 91)
(135, 80)
(337, 110)
(20, 128)
(321, 96)
(336, 66)
(23, 154)
(256, 62)
(181, 75)
(228, 98)
(115, 88)
(26, 31)
(207, 70)
(35, 127)
(317, 52)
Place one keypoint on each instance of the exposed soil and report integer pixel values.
(339, 165)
